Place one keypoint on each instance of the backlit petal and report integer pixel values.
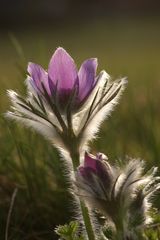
(90, 161)
(87, 74)
(39, 76)
(62, 70)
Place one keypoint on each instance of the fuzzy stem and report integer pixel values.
(87, 221)
(119, 235)
(119, 229)
(122, 233)
(84, 210)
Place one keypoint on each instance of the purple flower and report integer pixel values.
(96, 173)
(63, 81)
(65, 105)
(95, 166)
(122, 193)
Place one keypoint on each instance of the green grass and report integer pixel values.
(124, 47)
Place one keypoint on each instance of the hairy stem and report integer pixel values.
(87, 221)
(84, 210)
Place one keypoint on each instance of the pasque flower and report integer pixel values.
(122, 194)
(63, 82)
(64, 104)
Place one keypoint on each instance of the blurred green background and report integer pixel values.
(126, 40)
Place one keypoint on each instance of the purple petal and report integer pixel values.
(90, 161)
(62, 70)
(39, 76)
(87, 74)
(86, 173)
(103, 172)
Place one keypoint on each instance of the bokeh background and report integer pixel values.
(125, 36)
